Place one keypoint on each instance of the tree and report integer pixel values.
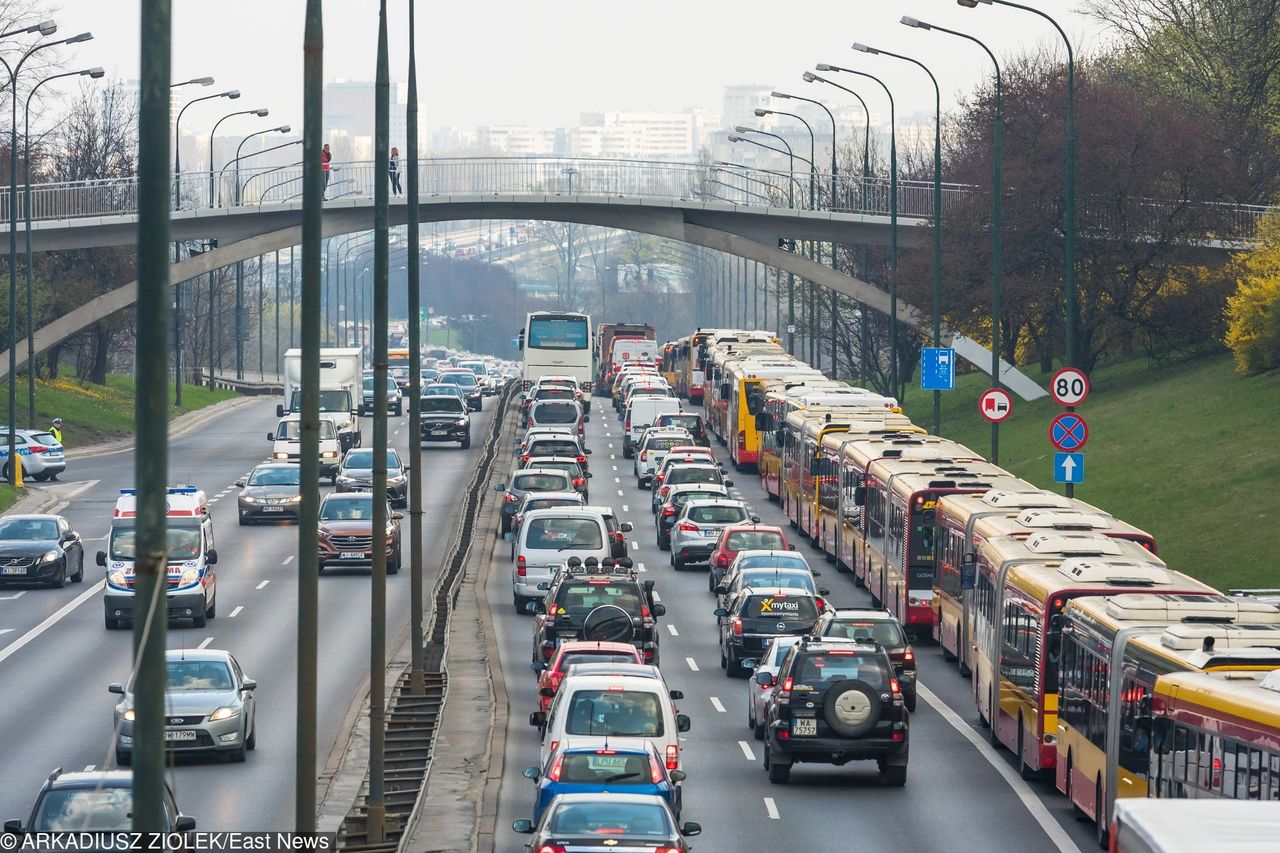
(1253, 312)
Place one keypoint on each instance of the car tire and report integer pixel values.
(851, 708)
(733, 667)
(112, 624)
(910, 701)
(894, 775)
(758, 731)
(61, 580)
(199, 620)
(519, 604)
(237, 756)
(251, 742)
(779, 774)
(212, 612)
(124, 759)
(465, 443)
(243, 521)
(664, 544)
(78, 577)
(676, 563)
(399, 410)
(393, 566)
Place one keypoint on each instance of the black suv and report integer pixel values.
(588, 601)
(445, 418)
(884, 628)
(754, 616)
(835, 701)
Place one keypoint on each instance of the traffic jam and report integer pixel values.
(1096, 666)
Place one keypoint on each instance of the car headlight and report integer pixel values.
(223, 713)
(345, 480)
(116, 578)
(329, 454)
(49, 556)
(464, 422)
(293, 499)
(127, 715)
(249, 499)
(279, 455)
(189, 576)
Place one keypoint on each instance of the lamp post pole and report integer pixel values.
(417, 664)
(260, 113)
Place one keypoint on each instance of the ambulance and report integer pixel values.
(192, 581)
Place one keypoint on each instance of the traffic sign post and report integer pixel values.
(1069, 387)
(1068, 468)
(937, 369)
(1068, 432)
(995, 405)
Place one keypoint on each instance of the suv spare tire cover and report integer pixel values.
(851, 707)
(608, 623)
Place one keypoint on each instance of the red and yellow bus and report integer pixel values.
(748, 381)
(718, 377)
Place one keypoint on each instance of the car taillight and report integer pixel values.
(688, 528)
(668, 511)
(38, 448)
(723, 560)
(554, 744)
(524, 458)
(551, 848)
(655, 769)
(520, 566)
(658, 479)
(822, 605)
(644, 457)
(582, 460)
(785, 690)
(556, 766)
(673, 757)
(510, 498)
(737, 626)
(627, 424)
(578, 482)
(909, 655)
(648, 654)
(664, 491)
(555, 678)
(894, 687)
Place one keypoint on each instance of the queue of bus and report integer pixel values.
(1089, 658)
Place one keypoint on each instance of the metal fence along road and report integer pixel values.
(669, 181)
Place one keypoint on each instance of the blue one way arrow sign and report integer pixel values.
(1068, 467)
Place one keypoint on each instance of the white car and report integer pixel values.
(654, 446)
(41, 453)
(287, 445)
(758, 694)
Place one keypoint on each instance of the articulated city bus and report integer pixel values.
(1113, 650)
(1212, 735)
(557, 343)
(805, 430)
(719, 380)
(967, 520)
(748, 381)
(1021, 586)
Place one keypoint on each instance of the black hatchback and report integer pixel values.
(694, 423)
(752, 618)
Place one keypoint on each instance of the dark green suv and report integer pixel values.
(834, 701)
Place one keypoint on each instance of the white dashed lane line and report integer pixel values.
(693, 664)
(234, 613)
(617, 479)
(261, 585)
(626, 508)
(287, 560)
(671, 629)
(619, 492)
(88, 768)
(772, 808)
(715, 703)
(204, 644)
(746, 750)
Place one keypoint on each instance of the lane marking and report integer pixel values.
(52, 620)
(1029, 799)
(617, 479)
(746, 750)
(671, 629)
(204, 644)
(89, 768)
(287, 560)
(261, 585)
(772, 808)
(615, 467)
(4, 631)
(613, 455)
(234, 613)
(715, 703)
(626, 508)
(18, 594)
(693, 664)
(213, 500)
(619, 492)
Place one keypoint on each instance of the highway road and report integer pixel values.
(961, 795)
(56, 657)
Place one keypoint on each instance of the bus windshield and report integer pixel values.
(567, 332)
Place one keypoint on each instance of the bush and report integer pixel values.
(1253, 312)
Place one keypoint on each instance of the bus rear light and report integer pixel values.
(673, 757)
(742, 438)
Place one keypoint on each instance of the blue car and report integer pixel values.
(626, 766)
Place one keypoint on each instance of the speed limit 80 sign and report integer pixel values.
(1069, 386)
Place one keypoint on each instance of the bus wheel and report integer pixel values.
(1075, 809)
(1025, 770)
(993, 717)
(1099, 812)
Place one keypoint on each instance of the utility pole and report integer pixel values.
(417, 680)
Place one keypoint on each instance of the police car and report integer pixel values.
(41, 454)
(191, 591)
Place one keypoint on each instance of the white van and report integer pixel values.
(288, 445)
(605, 706)
(549, 537)
(640, 415)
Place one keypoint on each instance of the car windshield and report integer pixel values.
(570, 468)
(782, 608)
(561, 534)
(184, 543)
(770, 561)
(619, 713)
(29, 529)
(663, 443)
(354, 508)
(539, 482)
(84, 810)
(554, 412)
(840, 665)
(45, 438)
(547, 503)
(441, 405)
(679, 499)
(462, 380)
(610, 820)
(582, 597)
(693, 423)
(755, 540)
(553, 447)
(291, 430)
(278, 476)
(198, 675)
(769, 577)
(693, 475)
(605, 767)
(364, 459)
(716, 514)
(884, 632)
(779, 652)
(570, 658)
(440, 391)
(552, 392)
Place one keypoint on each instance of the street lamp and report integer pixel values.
(94, 73)
(997, 192)
(1073, 309)
(235, 161)
(44, 28)
(194, 81)
(261, 112)
(230, 94)
(937, 211)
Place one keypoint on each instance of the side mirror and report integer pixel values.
(396, 516)
(749, 663)
(586, 419)
(728, 484)
(969, 571)
(676, 694)
(184, 823)
(547, 692)
(586, 451)
(677, 775)
(764, 679)
(116, 688)
(690, 828)
(508, 537)
(499, 487)
(249, 684)
(240, 483)
(682, 722)
(822, 590)
(15, 826)
(523, 826)
(721, 589)
(626, 527)
(791, 547)
(211, 556)
(538, 719)
(538, 666)
(530, 773)
(588, 475)
(719, 612)
(101, 558)
(659, 610)
(279, 411)
(271, 436)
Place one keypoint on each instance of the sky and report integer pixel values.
(543, 62)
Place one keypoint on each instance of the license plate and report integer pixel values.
(802, 727)
(352, 555)
(185, 734)
(273, 509)
(13, 570)
(439, 432)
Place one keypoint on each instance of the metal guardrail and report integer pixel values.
(585, 177)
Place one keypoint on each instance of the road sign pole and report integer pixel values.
(1070, 488)
(417, 681)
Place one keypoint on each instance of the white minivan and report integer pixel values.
(612, 706)
(549, 537)
(288, 445)
(641, 412)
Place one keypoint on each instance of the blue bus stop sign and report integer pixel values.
(937, 369)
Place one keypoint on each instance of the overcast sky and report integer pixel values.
(546, 61)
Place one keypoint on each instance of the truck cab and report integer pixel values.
(287, 446)
(339, 407)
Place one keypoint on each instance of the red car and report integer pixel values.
(747, 537)
(550, 674)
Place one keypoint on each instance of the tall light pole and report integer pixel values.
(937, 211)
(417, 675)
(997, 193)
(94, 73)
(261, 112)
(1069, 282)
(240, 327)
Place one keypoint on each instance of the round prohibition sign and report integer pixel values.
(1068, 432)
(995, 405)
(1069, 386)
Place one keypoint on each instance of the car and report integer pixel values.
(540, 500)
(40, 549)
(209, 706)
(756, 558)
(694, 423)
(428, 375)
(445, 418)
(270, 493)
(557, 413)
(467, 382)
(548, 538)
(436, 390)
(400, 375)
(592, 602)
(832, 702)
(525, 481)
(677, 497)
(757, 689)
(42, 455)
(697, 474)
(346, 532)
(882, 627)
(655, 444)
(568, 464)
(555, 444)
(369, 398)
(626, 765)
(748, 537)
(639, 415)
(287, 444)
(753, 617)
(355, 474)
(93, 801)
(561, 432)
(586, 821)
(551, 672)
(547, 391)
(697, 529)
(797, 580)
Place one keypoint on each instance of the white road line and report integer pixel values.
(772, 808)
(213, 500)
(671, 629)
(613, 455)
(693, 664)
(635, 545)
(287, 560)
(617, 479)
(626, 508)
(88, 768)
(4, 631)
(746, 750)
(619, 492)
(261, 585)
(611, 448)
(17, 594)
(715, 703)
(1033, 804)
(204, 644)
(52, 620)
(234, 613)
(615, 467)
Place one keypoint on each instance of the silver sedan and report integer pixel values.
(698, 527)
